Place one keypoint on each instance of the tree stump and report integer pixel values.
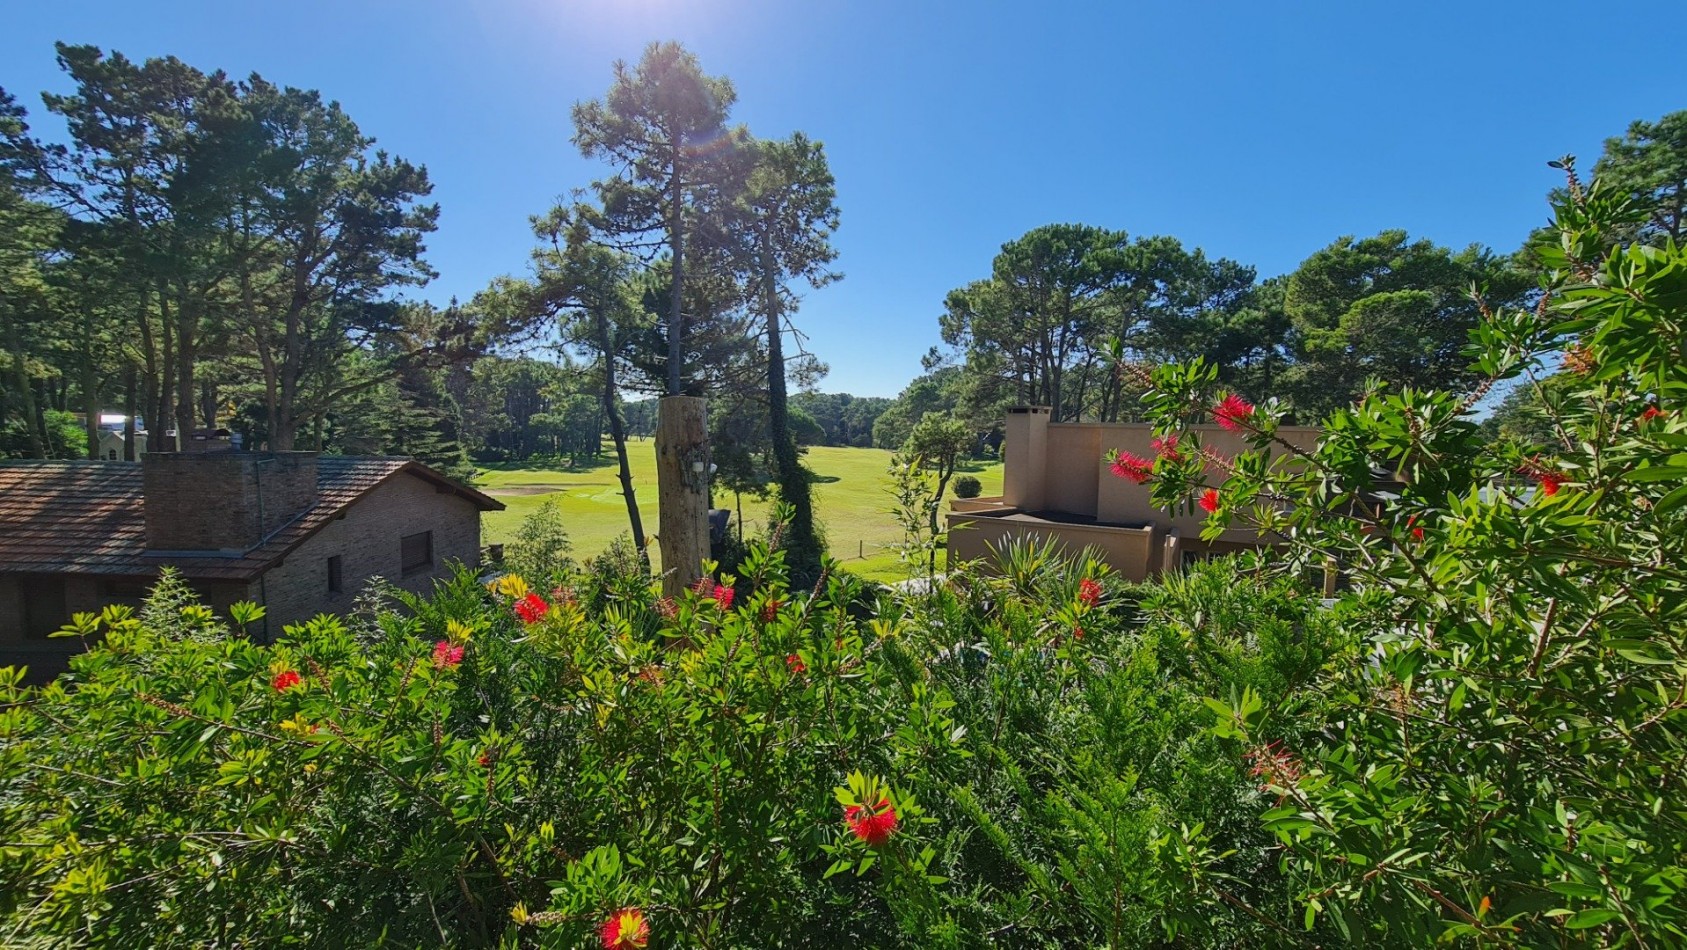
(682, 489)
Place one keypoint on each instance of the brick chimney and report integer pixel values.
(223, 501)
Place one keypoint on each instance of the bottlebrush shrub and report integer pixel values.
(1507, 764)
(1024, 765)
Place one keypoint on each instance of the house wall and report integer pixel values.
(208, 501)
(46, 656)
(367, 539)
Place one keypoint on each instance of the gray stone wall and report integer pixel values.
(367, 539)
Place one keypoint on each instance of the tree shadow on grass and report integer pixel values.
(550, 463)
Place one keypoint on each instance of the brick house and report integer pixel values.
(294, 531)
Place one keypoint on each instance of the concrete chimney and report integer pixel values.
(223, 501)
(1025, 458)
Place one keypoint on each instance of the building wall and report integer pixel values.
(1068, 486)
(367, 540)
(46, 656)
(1130, 551)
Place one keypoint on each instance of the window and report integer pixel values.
(416, 552)
(111, 455)
(336, 576)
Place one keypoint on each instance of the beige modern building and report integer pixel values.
(1056, 484)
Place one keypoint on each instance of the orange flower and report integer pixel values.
(626, 929)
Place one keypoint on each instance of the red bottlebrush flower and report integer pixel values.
(532, 608)
(1233, 412)
(1077, 632)
(1135, 468)
(723, 597)
(446, 654)
(703, 586)
(1166, 448)
(626, 929)
(1549, 480)
(1273, 765)
(795, 664)
(285, 680)
(666, 608)
(1210, 501)
(1415, 528)
(770, 610)
(1652, 412)
(874, 825)
(1089, 592)
(485, 760)
(1578, 360)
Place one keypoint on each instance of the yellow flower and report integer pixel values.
(458, 632)
(510, 585)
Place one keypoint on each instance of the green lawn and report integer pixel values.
(852, 499)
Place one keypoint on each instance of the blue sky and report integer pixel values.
(1258, 131)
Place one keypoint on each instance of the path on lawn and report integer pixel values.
(852, 500)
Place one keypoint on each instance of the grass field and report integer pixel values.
(852, 500)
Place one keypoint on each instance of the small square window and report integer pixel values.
(416, 552)
(336, 576)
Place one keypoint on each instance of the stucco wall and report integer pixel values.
(367, 541)
(1130, 551)
(1069, 485)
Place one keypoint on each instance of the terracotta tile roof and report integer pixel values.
(86, 517)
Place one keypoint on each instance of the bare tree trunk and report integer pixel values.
(91, 405)
(618, 435)
(186, 342)
(682, 459)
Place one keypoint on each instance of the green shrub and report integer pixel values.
(968, 486)
(1502, 760)
(364, 783)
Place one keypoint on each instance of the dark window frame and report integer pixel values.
(410, 562)
(336, 574)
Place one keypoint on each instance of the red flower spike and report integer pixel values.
(1134, 468)
(666, 608)
(485, 760)
(1210, 501)
(1166, 448)
(532, 608)
(1233, 412)
(703, 586)
(1549, 480)
(795, 664)
(874, 826)
(1077, 632)
(1652, 412)
(1415, 528)
(770, 610)
(445, 654)
(723, 597)
(1089, 592)
(626, 929)
(285, 680)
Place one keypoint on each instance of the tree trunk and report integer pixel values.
(26, 395)
(682, 475)
(91, 404)
(129, 414)
(676, 283)
(186, 342)
(802, 542)
(618, 435)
